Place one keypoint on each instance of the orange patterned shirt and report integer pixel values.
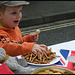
(13, 42)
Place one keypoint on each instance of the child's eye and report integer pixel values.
(20, 10)
(14, 13)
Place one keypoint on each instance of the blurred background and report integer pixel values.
(55, 19)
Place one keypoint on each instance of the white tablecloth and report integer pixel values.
(70, 45)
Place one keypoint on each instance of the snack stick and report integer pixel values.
(41, 56)
(33, 58)
(38, 55)
(38, 31)
(57, 70)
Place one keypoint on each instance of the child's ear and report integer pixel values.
(0, 15)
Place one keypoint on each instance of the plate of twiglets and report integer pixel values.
(44, 59)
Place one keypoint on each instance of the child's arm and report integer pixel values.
(14, 48)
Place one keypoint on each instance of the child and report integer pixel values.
(10, 35)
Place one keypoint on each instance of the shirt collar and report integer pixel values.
(1, 26)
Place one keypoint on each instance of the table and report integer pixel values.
(65, 45)
(70, 45)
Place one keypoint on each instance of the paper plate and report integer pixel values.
(0, 64)
(55, 60)
(50, 67)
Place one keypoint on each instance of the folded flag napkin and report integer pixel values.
(5, 70)
(64, 63)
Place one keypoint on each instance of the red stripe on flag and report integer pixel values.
(62, 61)
(72, 53)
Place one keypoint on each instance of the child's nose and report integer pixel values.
(18, 16)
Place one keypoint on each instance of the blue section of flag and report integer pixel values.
(64, 53)
(59, 63)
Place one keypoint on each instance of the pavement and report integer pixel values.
(55, 19)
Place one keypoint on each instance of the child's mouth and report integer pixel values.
(16, 22)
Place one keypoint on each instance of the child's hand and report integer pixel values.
(39, 48)
(34, 36)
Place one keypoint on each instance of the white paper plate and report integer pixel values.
(0, 64)
(55, 60)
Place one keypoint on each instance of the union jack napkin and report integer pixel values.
(5, 70)
(64, 63)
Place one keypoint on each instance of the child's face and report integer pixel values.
(11, 16)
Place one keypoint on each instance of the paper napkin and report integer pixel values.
(63, 60)
(5, 70)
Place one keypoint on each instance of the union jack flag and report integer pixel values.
(63, 60)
